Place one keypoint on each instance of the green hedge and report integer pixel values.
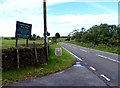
(26, 57)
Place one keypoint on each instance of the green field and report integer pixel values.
(7, 43)
(54, 64)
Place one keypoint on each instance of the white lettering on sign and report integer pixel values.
(58, 51)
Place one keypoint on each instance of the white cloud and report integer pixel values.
(30, 11)
(8, 26)
(66, 23)
(20, 4)
(62, 23)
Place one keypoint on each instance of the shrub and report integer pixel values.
(26, 57)
(13, 38)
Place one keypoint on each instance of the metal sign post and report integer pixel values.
(45, 30)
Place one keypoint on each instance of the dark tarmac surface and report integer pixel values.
(106, 64)
(77, 75)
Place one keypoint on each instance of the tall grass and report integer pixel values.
(102, 47)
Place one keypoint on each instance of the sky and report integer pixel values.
(63, 16)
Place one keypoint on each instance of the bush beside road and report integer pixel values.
(102, 47)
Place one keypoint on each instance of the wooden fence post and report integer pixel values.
(18, 58)
(36, 56)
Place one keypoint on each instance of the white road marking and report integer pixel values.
(100, 51)
(105, 77)
(77, 62)
(107, 58)
(85, 63)
(72, 54)
(84, 50)
(104, 52)
(92, 68)
(97, 50)
(74, 47)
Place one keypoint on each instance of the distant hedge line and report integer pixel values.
(26, 57)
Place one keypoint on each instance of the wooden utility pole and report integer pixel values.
(45, 30)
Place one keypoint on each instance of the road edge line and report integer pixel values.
(72, 54)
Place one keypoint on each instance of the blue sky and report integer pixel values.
(83, 8)
(63, 16)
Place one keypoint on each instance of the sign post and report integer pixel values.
(23, 30)
(45, 30)
(27, 42)
(16, 42)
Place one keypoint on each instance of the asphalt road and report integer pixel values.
(104, 64)
(77, 76)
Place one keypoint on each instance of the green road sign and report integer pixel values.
(23, 30)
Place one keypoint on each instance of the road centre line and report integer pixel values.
(92, 68)
(84, 50)
(107, 58)
(74, 47)
(103, 51)
(72, 54)
(85, 63)
(105, 77)
(95, 50)
(99, 50)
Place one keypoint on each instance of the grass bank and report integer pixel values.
(54, 64)
(112, 49)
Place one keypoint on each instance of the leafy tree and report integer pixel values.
(68, 37)
(83, 30)
(99, 34)
(48, 34)
(78, 36)
(57, 35)
(34, 36)
(38, 36)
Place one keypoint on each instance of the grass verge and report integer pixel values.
(112, 49)
(53, 65)
(11, 43)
